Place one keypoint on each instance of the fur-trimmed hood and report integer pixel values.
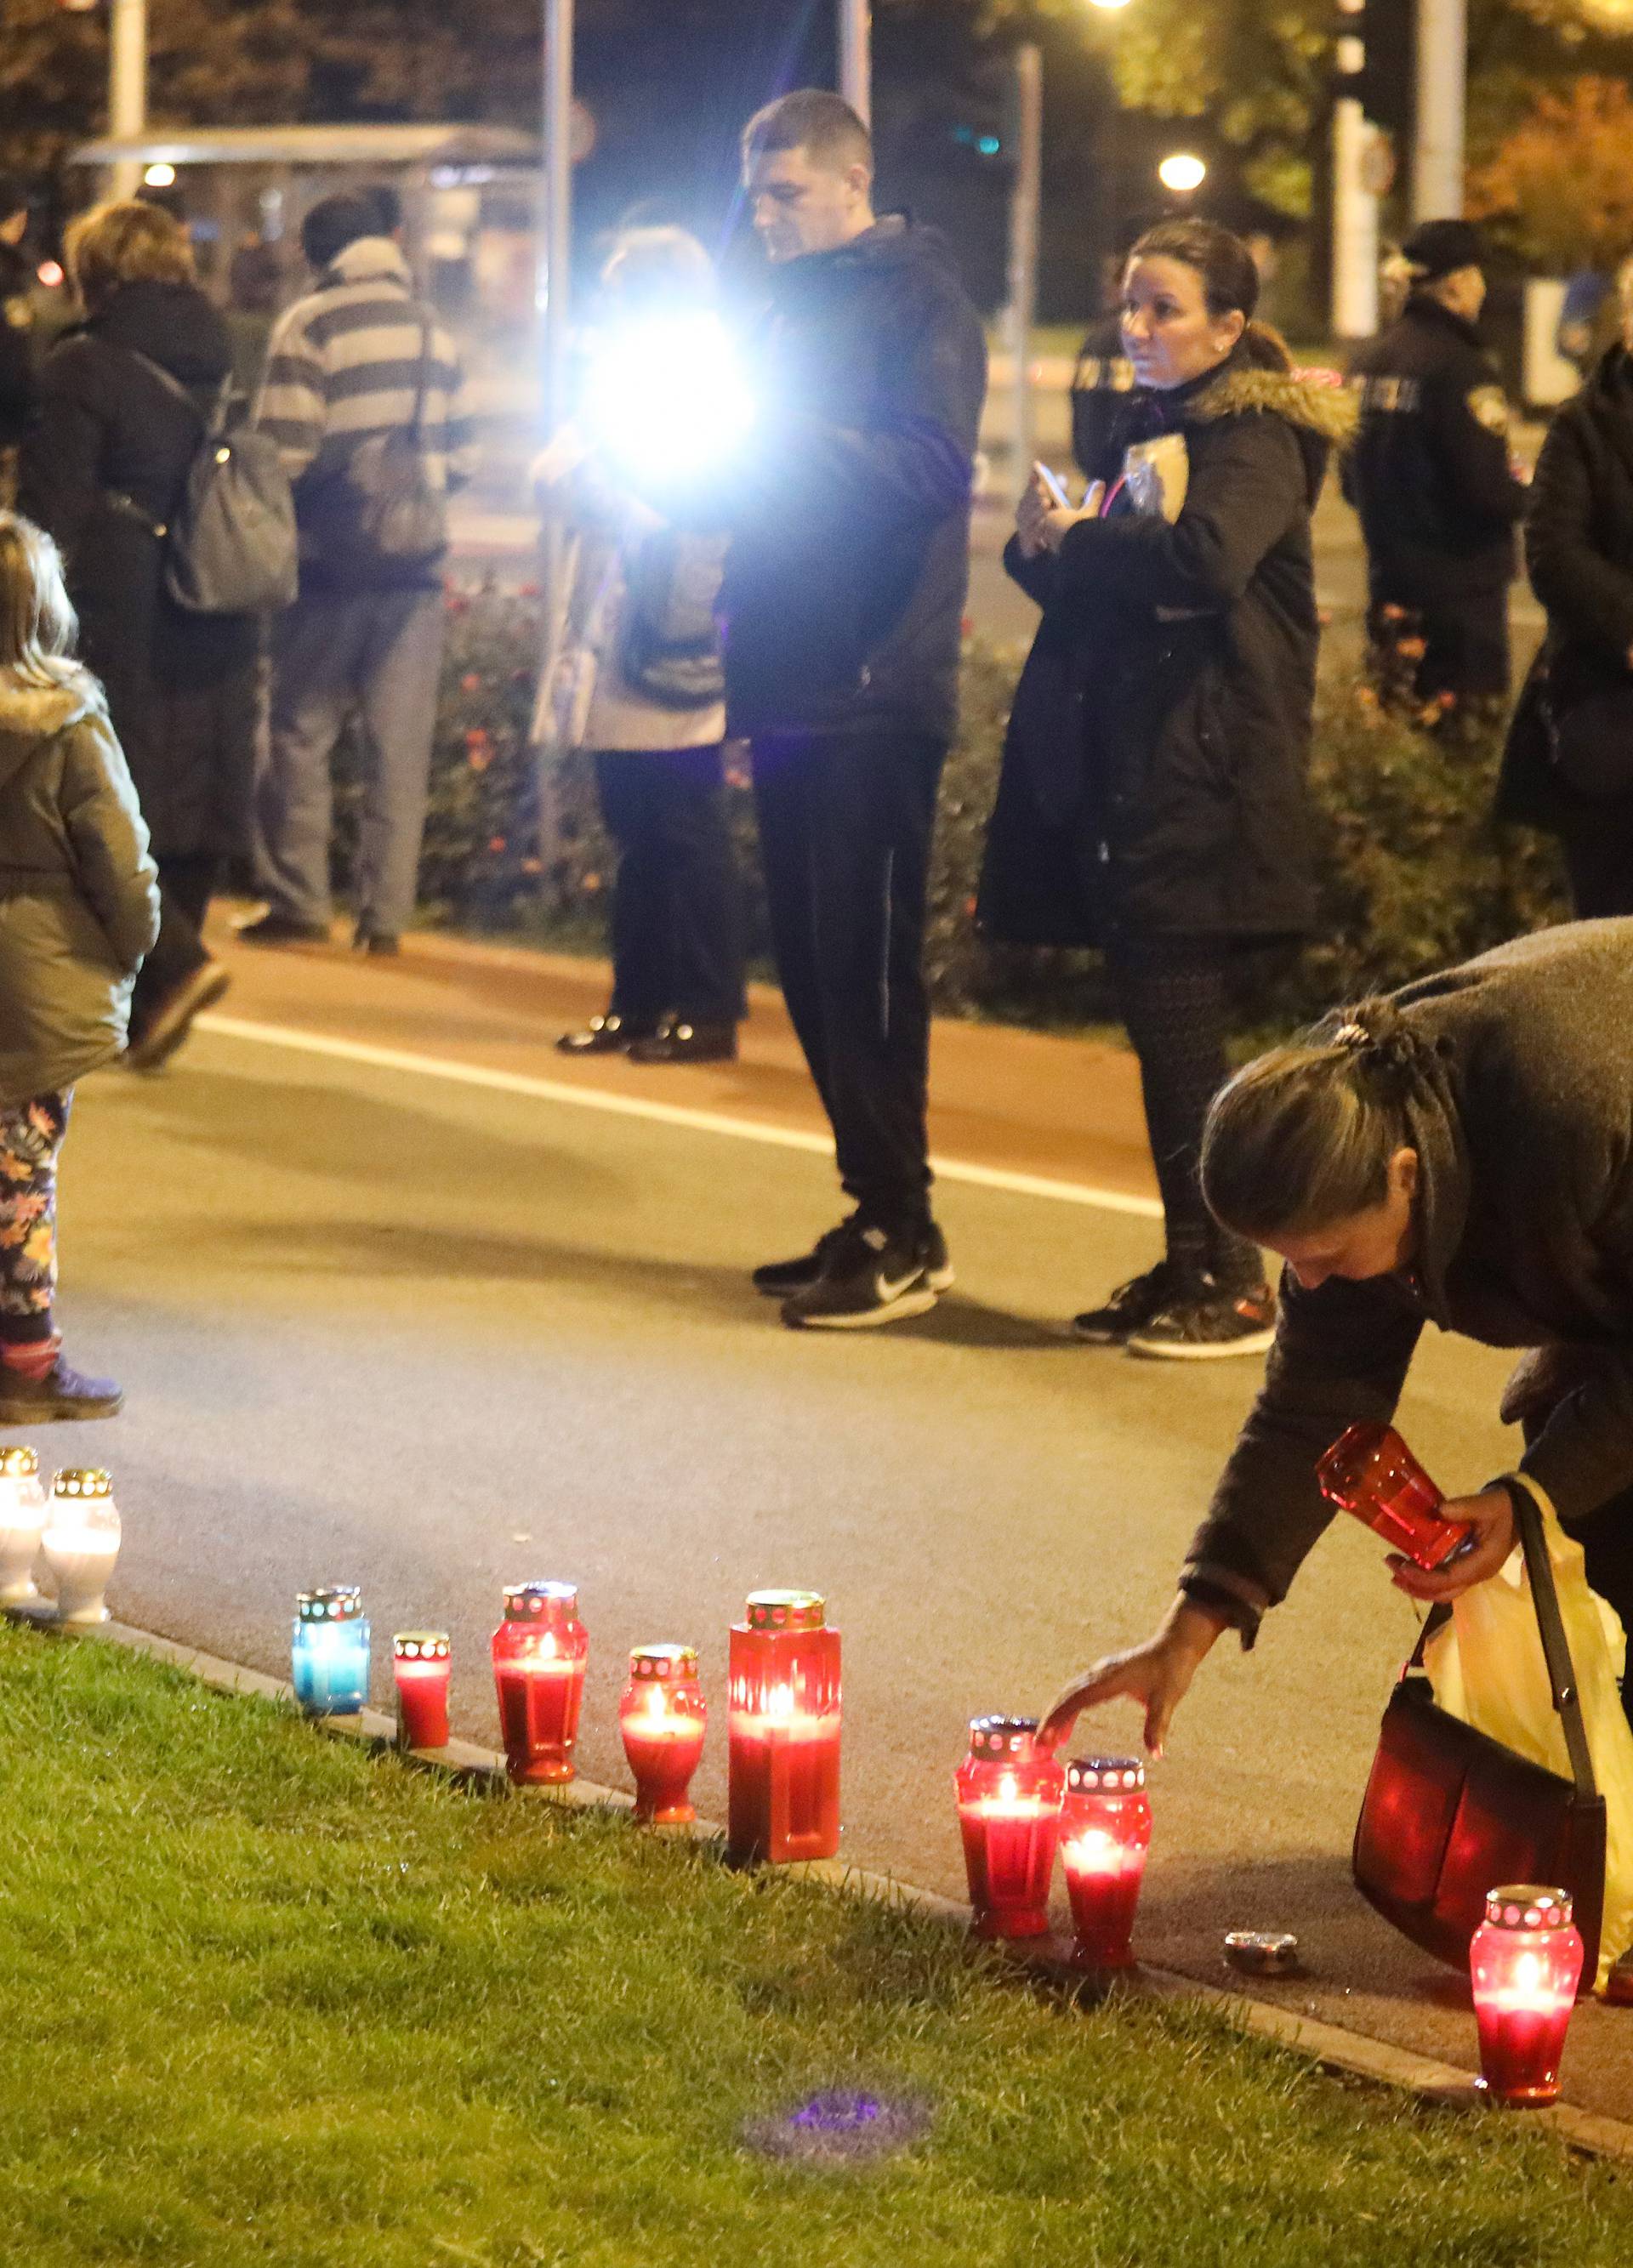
(30, 714)
(1315, 401)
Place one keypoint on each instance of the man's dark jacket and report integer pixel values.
(846, 582)
(1579, 551)
(1154, 772)
(1521, 1114)
(17, 365)
(1429, 472)
(180, 687)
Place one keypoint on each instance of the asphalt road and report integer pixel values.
(380, 1323)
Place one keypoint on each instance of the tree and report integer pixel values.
(1563, 180)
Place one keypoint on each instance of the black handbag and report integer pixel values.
(1449, 1812)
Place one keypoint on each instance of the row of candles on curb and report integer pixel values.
(1018, 1804)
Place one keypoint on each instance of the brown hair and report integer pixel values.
(38, 626)
(1229, 278)
(810, 119)
(125, 242)
(1302, 1137)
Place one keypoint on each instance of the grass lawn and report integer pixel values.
(269, 2000)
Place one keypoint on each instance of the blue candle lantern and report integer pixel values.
(330, 1663)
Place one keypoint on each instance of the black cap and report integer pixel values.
(1439, 247)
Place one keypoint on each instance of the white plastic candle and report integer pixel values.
(22, 1516)
(80, 1543)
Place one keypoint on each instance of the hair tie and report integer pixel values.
(1352, 1035)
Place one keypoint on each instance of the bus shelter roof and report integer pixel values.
(429, 146)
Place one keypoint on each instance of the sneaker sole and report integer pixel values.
(919, 1301)
(57, 1413)
(1157, 1350)
(1100, 1335)
(939, 1280)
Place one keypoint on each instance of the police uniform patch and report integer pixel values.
(1487, 406)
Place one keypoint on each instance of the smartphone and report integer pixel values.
(1055, 486)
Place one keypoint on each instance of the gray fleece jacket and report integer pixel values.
(1521, 1112)
(78, 893)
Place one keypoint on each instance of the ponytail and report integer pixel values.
(1302, 1137)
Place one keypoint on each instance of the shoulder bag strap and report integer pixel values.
(421, 385)
(1527, 1499)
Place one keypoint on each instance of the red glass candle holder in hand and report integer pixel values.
(783, 1729)
(420, 1662)
(1009, 1794)
(1106, 1831)
(1370, 1472)
(662, 1718)
(539, 1652)
(1524, 1962)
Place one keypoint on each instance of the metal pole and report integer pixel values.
(127, 89)
(1441, 95)
(856, 56)
(1355, 225)
(556, 295)
(1025, 204)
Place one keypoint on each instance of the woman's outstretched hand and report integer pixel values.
(1491, 1516)
(1157, 1675)
(1042, 525)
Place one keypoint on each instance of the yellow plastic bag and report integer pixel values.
(1488, 1668)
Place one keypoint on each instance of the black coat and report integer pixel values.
(16, 365)
(1579, 551)
(849, 564)
(1521, 1099)
(1154, 771)
(1102, 381)
(180, 687)
(1429, 472)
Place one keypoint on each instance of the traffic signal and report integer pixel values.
(1373, 60)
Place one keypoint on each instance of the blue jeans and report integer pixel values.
(379, 654)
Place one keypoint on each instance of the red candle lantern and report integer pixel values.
(1370, 1472)
(420, 1662)
(539, 1652)
(662, 1718)
(1106, 1831)
(1524, 1961)
(1009, 1794)
(783, 1754)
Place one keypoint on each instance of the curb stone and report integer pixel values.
(1334, 2049)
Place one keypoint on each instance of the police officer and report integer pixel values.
(1429, 476)
(1101, 385)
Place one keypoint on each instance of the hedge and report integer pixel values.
(1414, 874)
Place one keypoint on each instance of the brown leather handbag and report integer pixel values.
(1450, 1813)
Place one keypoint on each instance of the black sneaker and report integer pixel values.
(383, 944)
(603, 1035)
(1138, 1302)
(61, 1393)
(871, 1276)
(172, 1021)
(1207, 1329)
(782, 1279)
(280, 929)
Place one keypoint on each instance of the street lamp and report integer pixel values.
(1183, 173)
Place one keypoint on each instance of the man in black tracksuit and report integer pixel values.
(844, 602)
(1429, 476)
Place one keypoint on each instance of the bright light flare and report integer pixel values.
(1182, 173)
(160, 176)
(666, 396)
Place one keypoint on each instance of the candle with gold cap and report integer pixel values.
(1525, 1963)
(539, 1652)
(1106, 1831)
(80, 1543)
(662, 1717)
(329, 1657)
(420, 1663)
(22, 1517)
(783, 1729)
(1009, 1790)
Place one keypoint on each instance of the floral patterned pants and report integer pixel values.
(31, 1135)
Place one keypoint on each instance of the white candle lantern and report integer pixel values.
(81, 1543)
(22, 1516)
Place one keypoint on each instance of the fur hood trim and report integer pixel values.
(39, 712)
(1312, 401)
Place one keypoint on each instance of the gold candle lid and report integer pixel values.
(786, 1610)
(421, 1646)
(17, 1463)
(77, 1481)
(663, 1661)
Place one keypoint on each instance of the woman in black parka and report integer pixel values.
(1153, 795)
(103, 469)
(1579, 551)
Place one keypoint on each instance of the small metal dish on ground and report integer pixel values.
(1262, 1951)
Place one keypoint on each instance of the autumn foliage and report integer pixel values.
(1563, 178)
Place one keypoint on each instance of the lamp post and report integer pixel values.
(1026, 206)
(856, 56)
(1442, 97)
(127, 87)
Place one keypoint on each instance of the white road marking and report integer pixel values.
(660, 1113)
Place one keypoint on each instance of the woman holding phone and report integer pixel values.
(1152, 800)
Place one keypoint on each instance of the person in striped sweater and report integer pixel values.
(357, 359)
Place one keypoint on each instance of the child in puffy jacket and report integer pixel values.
(78, 911)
